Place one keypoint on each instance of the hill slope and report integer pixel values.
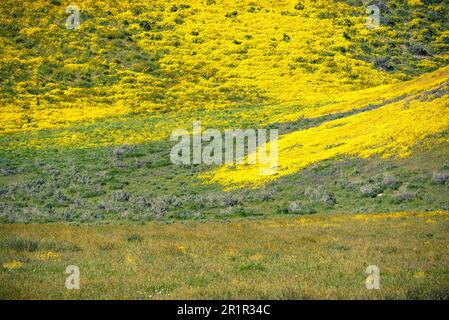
(388, 129)
(144, 57)
(86, 114)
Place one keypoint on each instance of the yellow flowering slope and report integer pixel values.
(387, 131)
(376, 95)
(159, 126)
(210, 54)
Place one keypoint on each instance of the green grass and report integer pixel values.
(141, 184)
(309, 257)
(30, 245)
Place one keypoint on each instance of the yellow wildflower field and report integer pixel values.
(390, 130)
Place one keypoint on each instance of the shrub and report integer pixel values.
(159, 207)
(69, 214)
(418, 49)
(314, 194)
(86, 216)
(389, 180)
(299, 208)
(369, 190)
(320, 195)
(231, 14)
(119, 196)
(138, 202)
(328, 198)
(440, 177)
(134, 238)
(226, 211)
(299, 6)
(404, 194)
(266, 195)
(119, 151)
(230, 200)
(383, 63)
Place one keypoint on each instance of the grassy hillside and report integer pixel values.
(387, 129)
(85, 170)
(160, 56)
(86, 114)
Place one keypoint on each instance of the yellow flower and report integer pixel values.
(130, 259)
(414, 2)
(13, 265)
(257, 257)
(390, 130)
(420, 274)
(48, 255)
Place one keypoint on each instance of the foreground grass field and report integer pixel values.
(297, 257)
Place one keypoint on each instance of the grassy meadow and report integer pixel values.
(86, 178)
(308, 257)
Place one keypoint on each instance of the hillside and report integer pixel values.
(94, 206)
(387, 129)
(145, 57)
(86, 114)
